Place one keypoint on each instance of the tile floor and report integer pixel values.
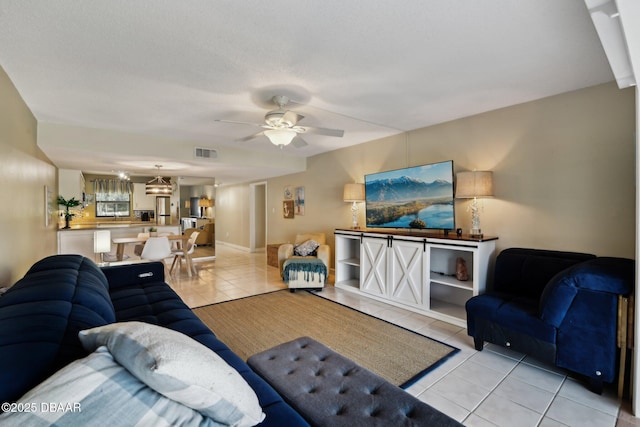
(495, 387)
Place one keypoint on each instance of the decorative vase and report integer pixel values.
(462, 273)
(66, 222)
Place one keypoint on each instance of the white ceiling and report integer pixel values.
(169, 68)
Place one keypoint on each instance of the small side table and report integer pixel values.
(272, 254)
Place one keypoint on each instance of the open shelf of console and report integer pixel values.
(347, 260)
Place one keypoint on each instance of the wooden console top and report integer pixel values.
(417, 233)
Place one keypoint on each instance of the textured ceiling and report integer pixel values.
(169, 68)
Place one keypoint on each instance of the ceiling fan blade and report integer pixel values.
(292, 117)
(298, 142)
(324, 131)
(250, 137)
(239, 123)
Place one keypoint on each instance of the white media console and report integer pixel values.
(412, 269)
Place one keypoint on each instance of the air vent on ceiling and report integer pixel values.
(205, 153)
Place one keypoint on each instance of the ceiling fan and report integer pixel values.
(281, 126)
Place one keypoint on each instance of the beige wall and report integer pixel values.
(563, 167)
(232, 215)
(24, 172)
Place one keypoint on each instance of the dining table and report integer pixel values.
(182, 240)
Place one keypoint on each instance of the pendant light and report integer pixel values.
(158, 186)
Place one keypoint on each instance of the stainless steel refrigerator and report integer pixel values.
(163, 210)
(194, 209)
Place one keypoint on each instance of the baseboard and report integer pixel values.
(241, 248)
(231, 245)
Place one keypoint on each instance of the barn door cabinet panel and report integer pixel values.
(373, 266)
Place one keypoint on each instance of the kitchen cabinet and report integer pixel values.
(412, 270)
(142, 202)
(76, 242)
(71, 184)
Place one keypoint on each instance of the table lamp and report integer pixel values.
(354, 193)
(473, 185)
(101, 243)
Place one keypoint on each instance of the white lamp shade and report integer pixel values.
(280, 137)
(353, 192)
(474, 184)
(101, 241)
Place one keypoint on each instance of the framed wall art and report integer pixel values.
(288, 192)
(287, 208)
(299, 200)
(48, 207)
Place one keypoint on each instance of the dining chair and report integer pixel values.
(178, 255)
(138, 248)
(102, 245)
(156, 249)
(174, 243)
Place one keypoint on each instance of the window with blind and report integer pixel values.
(113, 204)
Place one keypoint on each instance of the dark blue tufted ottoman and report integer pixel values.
(330, 390)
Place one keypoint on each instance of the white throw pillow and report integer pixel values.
(96, 390)
(180, 368)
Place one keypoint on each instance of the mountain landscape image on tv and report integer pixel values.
(418, 197)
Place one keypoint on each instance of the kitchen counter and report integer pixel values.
(118, 224)
(79, 238)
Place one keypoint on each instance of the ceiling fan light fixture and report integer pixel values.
(280, 137)
(274, 118)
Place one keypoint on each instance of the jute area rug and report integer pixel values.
(254, 324)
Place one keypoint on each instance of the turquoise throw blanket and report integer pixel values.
(308, 266)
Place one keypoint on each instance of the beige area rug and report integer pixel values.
(254, 324)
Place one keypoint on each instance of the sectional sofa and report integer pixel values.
(83, 345)
(49, 374)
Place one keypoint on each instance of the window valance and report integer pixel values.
(112, 186)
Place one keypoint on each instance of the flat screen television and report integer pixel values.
(418, 197)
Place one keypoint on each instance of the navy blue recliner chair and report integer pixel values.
(558, 307)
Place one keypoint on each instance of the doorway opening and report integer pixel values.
(258, 217)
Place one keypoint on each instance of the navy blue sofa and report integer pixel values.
(558, 307)
(41, 315)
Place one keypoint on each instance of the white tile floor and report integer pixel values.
(494, 387)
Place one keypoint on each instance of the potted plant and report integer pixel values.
(153, 231)
(71, 203)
